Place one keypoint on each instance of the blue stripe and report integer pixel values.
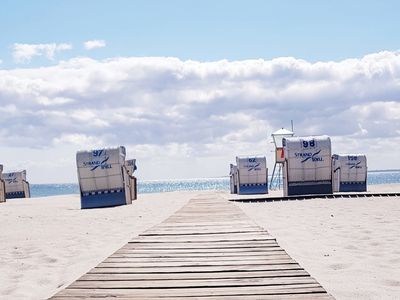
(13, 195)
(247, 189)
(354, 186)
(103, 199)
(102, 192)
(309, 188)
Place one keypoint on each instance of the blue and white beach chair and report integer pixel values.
(132, 181)
(103, 178)
(16, 185)
(307, 168)
(252, 175)
(2, 187)
(349, 172)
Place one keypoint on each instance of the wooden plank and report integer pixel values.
(203, 244)
(205, 239)
(210, 234)
(314, 296)
(188, 276)
(191, 263)
(173, 241)
(199, 231)
(197, 292)
(219, 225)
(222, 244)
(191, 258)
(197, 269)
(259, 258)
(197, 250)
(190, 283)
(198, 247)
(172, 254)
(194, 223)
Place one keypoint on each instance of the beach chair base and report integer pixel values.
(14, 195)
(353, 187)
(309, 188)
(99, 200)
(253, 189)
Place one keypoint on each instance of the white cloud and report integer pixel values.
(167, 111)
(94, 44)
(1, 61)
(23, 53)
(53, 101)
(78, 140)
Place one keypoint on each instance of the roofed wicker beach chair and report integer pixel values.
(104, 179)
(16, 185)
(130, 165)
(252, 175)
(2, 187)
(349, 172)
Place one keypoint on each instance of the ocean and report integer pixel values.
(157, 186)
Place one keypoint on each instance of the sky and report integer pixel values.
(187, 86)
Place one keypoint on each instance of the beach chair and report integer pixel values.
(130, 165)
(252, 175)
(2, 187)
(233, 178)
(103, 178)
(349, 172)
(307, 166)
(16, 185)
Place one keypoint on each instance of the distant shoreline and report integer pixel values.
(388, 171)
(200, 178)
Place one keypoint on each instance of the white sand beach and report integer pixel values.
(351, 246)
(47, 243)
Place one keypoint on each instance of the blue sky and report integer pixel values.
(204, 30)
(188, 85)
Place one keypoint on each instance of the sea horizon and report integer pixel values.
(189, 184)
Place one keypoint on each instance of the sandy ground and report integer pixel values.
(351, 246)
(47, 243)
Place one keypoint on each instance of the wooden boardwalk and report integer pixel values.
(209, 249)
(269, 198)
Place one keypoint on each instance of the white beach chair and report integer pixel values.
(233, 178)
(130, 165)
(349, 172)
(16, 185)
(252, 175)
(2, 187)
(307, 166)
(103, 178)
